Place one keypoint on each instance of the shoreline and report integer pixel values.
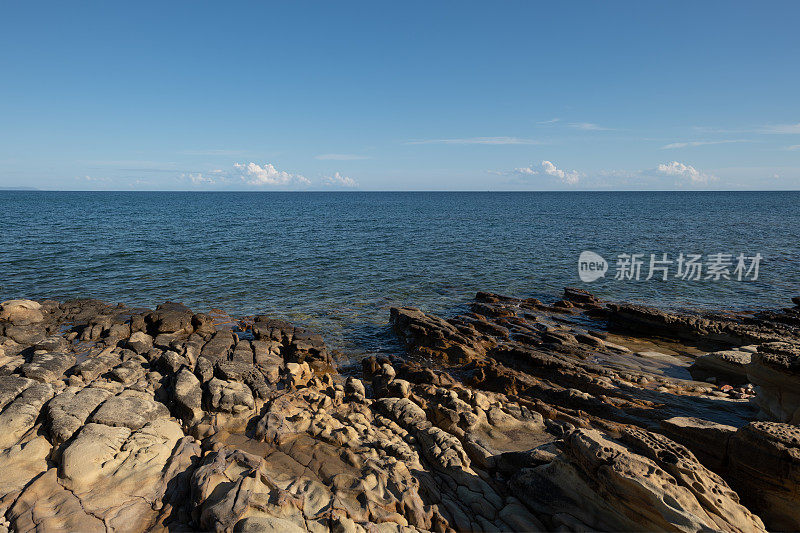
(167, 419)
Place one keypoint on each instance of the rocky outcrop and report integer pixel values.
(775, 370)
(765, 468)
(514, 416)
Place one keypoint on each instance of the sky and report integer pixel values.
(487, 96)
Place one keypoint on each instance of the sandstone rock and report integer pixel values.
(47, 367)
(170, 317)
(53, 343)
(188, 396)
(129, 409)
(298, 374)
(120, 475)
(602, 485)
(512, 416)
(95, 366)
(775, 371)
(731, 363)
(21, 413)
(243, 352)
(21, 312)
(45, 505)
(10, 387)
(707, 440)
(354, 388)
(219, 346)
(129, 372)
(229, 396)
(267, 524)
(19, 465)
(435, 336)
(70, 409)
(765, 468)
(26, 335)
(140, 342)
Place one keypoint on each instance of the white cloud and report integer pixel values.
(341, 157)
(588, 126)
(551, 121)
(528, 171)
(781, 129)
(198, 178)
(337, 180)
(570, 177)
(92, 178)
(267, 174)
(700, 143)
(687, 172)
(478, 140)
(793, 147)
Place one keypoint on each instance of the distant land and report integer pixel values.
(18, 189)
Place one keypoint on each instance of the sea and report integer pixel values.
(336, 262)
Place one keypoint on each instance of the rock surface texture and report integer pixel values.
(516, 416)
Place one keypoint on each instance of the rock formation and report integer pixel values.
(516, 416)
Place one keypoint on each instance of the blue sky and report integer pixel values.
(400, 96)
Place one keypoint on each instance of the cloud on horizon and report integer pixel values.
(337, 180)
(267, 174)
(570, 177)
(685, 172)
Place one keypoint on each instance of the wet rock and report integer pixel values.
(203, 324)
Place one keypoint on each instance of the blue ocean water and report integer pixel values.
(336, 262)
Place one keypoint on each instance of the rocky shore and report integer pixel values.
(577, 415)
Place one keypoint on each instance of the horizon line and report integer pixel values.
(316, 191)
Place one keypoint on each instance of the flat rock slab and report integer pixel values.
(129, 409)
(48, 367)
